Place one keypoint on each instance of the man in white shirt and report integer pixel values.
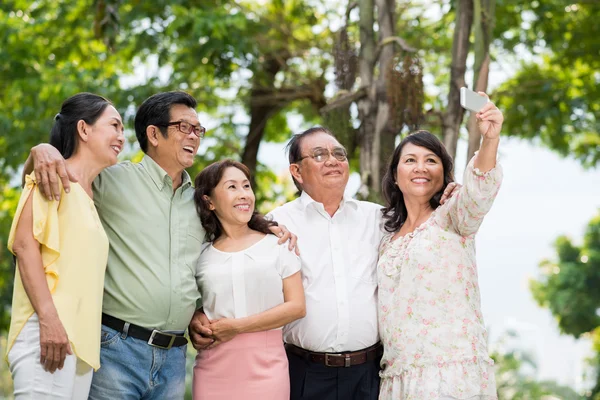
(334, 351)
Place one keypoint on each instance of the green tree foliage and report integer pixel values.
(568, 286)
(555, 95)
(515, 374)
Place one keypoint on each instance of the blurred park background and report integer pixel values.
(372, 71)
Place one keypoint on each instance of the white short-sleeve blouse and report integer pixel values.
(247, 282)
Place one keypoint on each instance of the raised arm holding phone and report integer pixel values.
(431, 326)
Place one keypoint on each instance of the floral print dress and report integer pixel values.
(430, 322)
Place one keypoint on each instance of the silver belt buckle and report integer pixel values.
(171, 341)
(327, 355)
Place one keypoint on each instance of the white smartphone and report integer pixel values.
(471, 100)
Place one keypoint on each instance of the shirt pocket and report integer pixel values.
(363, 263)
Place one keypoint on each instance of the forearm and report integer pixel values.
(27, 169)
(273, 318)
(486, 157)
(33, 277)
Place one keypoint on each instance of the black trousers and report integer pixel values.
(313, 381)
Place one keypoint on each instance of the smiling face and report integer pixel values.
(176, 151)
(105, 137)
(420, 173)
(232, 199)
(319, 178)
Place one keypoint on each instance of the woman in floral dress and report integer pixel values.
(430, 322)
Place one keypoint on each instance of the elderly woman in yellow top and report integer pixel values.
(61, 251)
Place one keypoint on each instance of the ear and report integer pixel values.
(152, 132)
(82, 130)
(209, 201)
(296, 172)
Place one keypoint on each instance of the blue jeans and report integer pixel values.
(131, 369)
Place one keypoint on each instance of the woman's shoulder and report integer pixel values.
(266, 243)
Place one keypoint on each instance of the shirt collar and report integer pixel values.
(160, 177)
(306, 200)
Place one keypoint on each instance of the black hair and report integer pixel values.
(205, 183)
(294, 149)
(82, 106)
(395, 213)
(156, 110)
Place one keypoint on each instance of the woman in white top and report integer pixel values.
(250, 287)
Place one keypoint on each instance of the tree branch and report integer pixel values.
(397, 40)
(344, 100)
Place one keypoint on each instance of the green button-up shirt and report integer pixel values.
(155, 240)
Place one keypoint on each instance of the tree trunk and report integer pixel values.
(260, 110)
(460, 49)
(385, 134)
(483, 25)
(367, 106)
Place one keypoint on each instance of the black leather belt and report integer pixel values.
(344, 359)
(163, 340)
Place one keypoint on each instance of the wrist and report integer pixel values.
(47, 312)
(240, 325)
(491, 139)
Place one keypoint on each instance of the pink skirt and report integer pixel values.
(251, 366)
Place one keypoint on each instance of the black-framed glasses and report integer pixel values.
(321, 155)
(187, 128)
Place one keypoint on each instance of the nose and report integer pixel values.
(420, 166)
(121, 138)
(331, 160)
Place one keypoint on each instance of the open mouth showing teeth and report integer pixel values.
(243, 207)
(189, 149)
(116, 149)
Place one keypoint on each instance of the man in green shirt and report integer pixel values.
(155, 236)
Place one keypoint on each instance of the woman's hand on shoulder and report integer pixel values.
(489, 120)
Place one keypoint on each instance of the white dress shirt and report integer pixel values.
(247, 282)
(339, 260)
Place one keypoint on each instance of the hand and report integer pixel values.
(200, 334)
(49, 166)
(489, 120)
(224, 330)
(54, 343)
(450, 191)
(282, 232)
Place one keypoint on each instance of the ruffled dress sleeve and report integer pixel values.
(45, 227)
(465, 210)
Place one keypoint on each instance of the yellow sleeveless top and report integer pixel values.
(74, 250)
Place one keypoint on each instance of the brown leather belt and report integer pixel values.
(344, 359)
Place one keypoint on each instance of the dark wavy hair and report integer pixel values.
(395, 213)
(205, 183)
(82, 106)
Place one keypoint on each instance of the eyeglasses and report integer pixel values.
(321, 155)
(187, 128)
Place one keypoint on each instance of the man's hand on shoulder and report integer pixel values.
(451, 190)
(284, 235)
(49, 166)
